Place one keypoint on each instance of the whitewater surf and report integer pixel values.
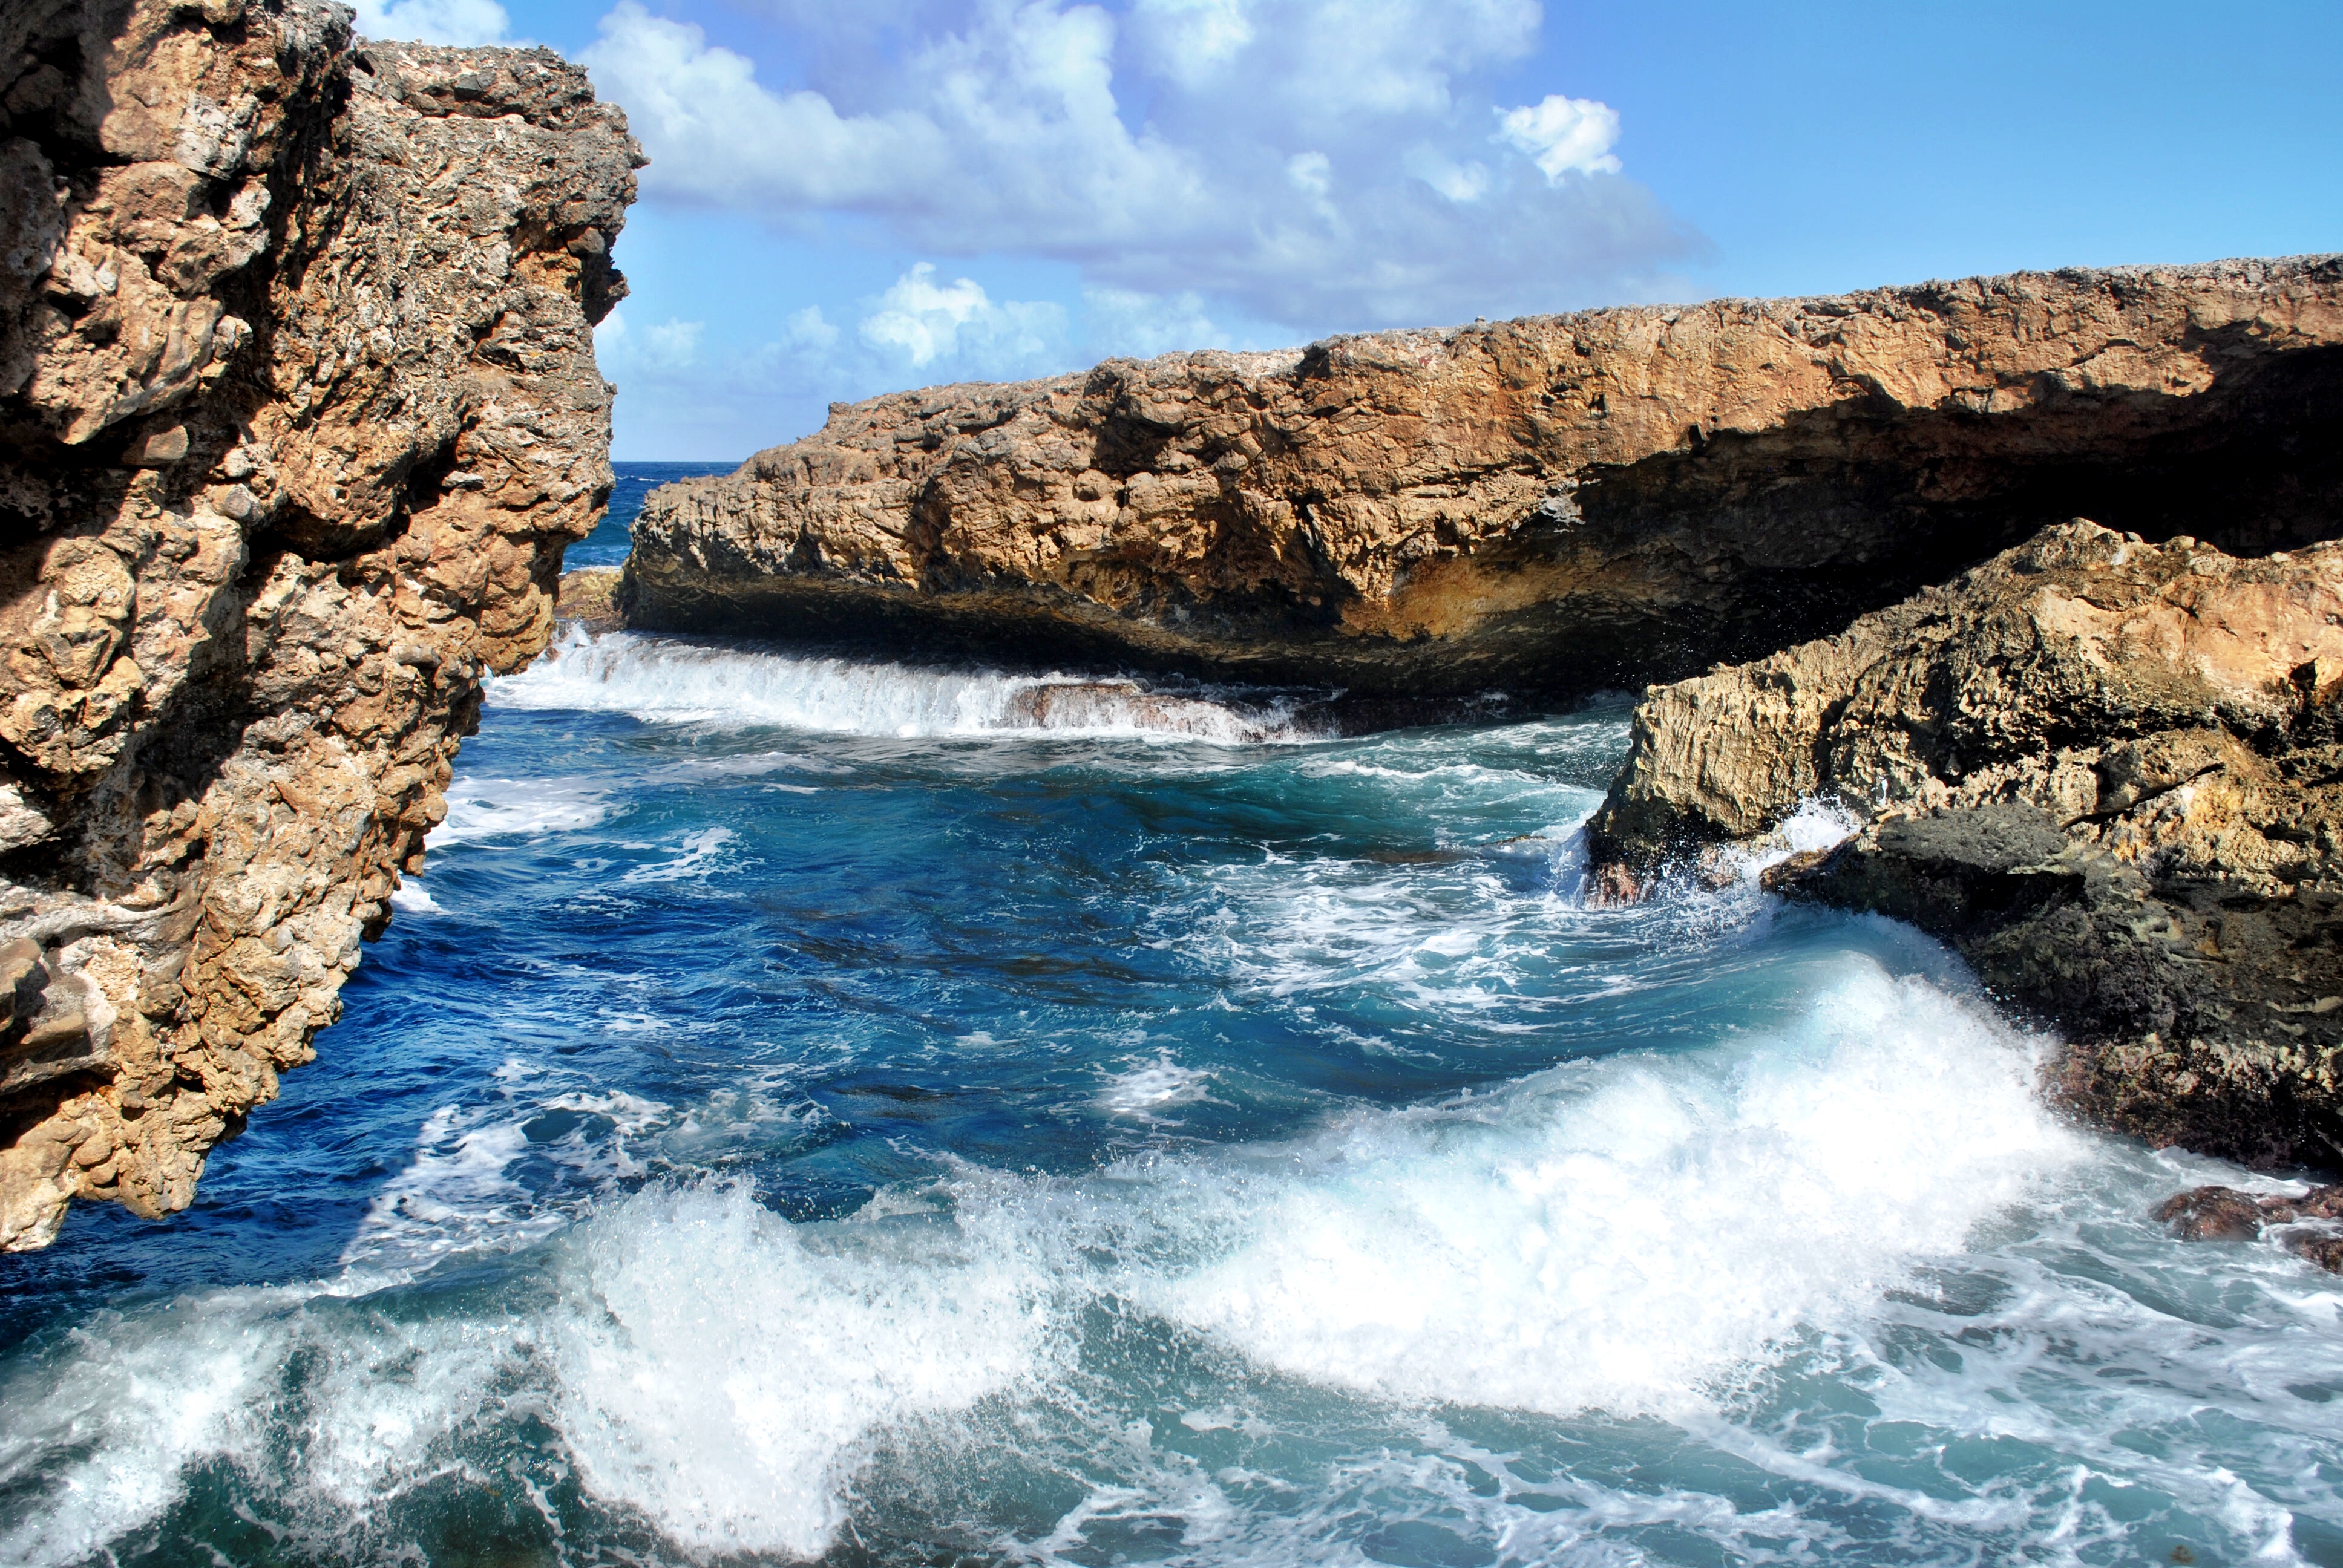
(814, 1107)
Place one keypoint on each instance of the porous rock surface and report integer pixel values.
(2310, 1225)
(1546, 504)
(300, 405)
(2110, 772)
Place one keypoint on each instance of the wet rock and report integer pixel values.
(2211, 1214)
(2307, 1226)
(2322, 1248)
(2319, 1204)
(2110, 772)
(1544, 504)
(300, 405)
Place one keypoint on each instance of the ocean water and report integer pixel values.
(606, 546)
(817, 1109)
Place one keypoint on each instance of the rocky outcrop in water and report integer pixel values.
(2110, 772)
(2311, 1225)
(1540, 505)
(589, 596)
(297, 380)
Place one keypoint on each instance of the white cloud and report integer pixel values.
(1126, 321)
(673, 345)
(1332, 60)
(921, 319)
(1564, 135)
(809, 329)
(1191, 40)
(925, 322)
(1458, 181)
(465, 22)
(667, 348)
(1321, 163)
(721, 138)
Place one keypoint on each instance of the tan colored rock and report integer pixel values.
(2110, 772)
(1545, 504)
(296, 369)
(589, 596)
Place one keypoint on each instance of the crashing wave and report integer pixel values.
(666, 679)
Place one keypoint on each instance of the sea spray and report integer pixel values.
(1040, 1147)
(1616, 1235)
(724, 1371)
(667, 679)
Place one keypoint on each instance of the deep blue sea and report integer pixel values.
(815, 1108)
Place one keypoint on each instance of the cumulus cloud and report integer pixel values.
(1564, 135)
(1330, 62)
(722, 139)
(924, 322)
(671, 345)
(1141, 325)
(920, 323)
(462, 21)
(1324, 164)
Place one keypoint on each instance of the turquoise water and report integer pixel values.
(814, 1107)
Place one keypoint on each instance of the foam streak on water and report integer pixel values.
(831, 1110)
(669, 679)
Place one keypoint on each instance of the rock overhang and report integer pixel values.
(1549, 505)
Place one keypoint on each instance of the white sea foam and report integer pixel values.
(1450, 934)
(481, 808)
(1640, 1234)
(1816, 825)
(109, 1425)
(700, 853)
(411, 897)
(1144, 1091)
(1618, 1235)
(453, 1196)
(662, 680)
(723, 1371)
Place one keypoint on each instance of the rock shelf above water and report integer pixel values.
(2110, 772)
(1545, 505)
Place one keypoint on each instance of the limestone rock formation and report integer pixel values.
(2110, 772)
(589, 596)
(1538, 505)
(297, 382)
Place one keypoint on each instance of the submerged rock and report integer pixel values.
(1552, 504)
(2211, 1214)
(297, 377)
(2110, 772)
(2225, 1214)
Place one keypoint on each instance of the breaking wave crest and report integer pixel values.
(670, 681)
(1629, 1236)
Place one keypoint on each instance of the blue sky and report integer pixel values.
(849, 198)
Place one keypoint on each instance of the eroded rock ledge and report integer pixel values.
(2110, 772)
(1540, 505)
(300, 405)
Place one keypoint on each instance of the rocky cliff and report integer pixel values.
(1545, 504)
(2110, 772)
(297, 380)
